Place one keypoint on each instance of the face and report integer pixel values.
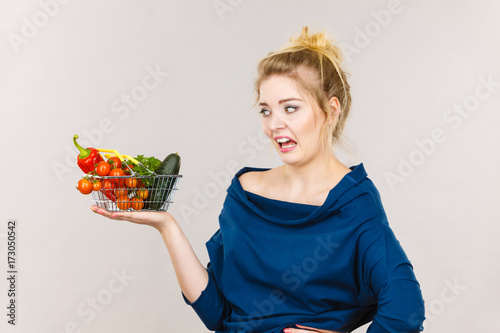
(291, 120)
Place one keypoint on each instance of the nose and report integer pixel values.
(275, 122)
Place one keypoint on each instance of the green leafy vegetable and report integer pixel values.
(151, 163)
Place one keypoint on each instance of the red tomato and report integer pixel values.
(115, 162)
(142, 194)
(127, 170)
(123, 203)
(109, 187)
(131, 182)
(103, 168)
(137, 204)
(97, 185)
(117, 173)
(85, 186)
(121, 192)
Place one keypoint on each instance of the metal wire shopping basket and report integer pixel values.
(135, 192)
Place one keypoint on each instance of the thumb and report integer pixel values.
(312, 329)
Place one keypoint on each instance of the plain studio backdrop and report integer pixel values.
(156, 77)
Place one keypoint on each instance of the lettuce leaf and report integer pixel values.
(151, 163)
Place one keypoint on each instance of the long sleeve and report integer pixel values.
(389, 274)
(211, 306)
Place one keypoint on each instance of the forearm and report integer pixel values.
(191, 274)
(198, 284)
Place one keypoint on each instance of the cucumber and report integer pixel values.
(170, 166)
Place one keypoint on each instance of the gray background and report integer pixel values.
(67, 76)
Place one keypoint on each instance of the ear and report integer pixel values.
(335, 104)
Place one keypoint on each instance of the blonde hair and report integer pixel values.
(319, 56)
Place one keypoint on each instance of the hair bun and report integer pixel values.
(317, 42)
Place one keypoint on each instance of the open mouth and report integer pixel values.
(286, 143)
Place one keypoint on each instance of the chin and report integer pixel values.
(291, 160)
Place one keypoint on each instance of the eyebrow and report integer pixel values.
(282, 101)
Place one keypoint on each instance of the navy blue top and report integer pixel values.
(278, 208)
(274, 264)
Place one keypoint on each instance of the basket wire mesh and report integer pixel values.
(150, 193)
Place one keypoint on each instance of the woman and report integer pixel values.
(305, 246)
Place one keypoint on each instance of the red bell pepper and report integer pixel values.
(88, 157)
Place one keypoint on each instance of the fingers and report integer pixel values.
(296, 330)
(306, 329)
(98, 210)
(122, 215)
(106, 213)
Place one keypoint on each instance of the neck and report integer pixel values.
(317, 175)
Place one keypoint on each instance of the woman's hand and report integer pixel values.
(157, 220)
(306, 329)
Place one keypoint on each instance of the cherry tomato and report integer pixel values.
(108, 184)
(117, 173)
(96, 185)
(131, 182)
(103, 168)
(127, 170)
(137, 203)
(121, 192)
(115, 162)
(142, 194)
(109, 187)
(123, 203)
(85, 186)
(139, 183)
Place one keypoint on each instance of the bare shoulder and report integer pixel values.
(253, 181)
(250, 180)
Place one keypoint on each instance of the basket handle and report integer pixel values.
(116, 153)
(122, 157)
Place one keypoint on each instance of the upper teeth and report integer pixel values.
(281, 140)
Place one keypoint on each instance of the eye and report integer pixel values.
(265, 112)
(291, 109)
